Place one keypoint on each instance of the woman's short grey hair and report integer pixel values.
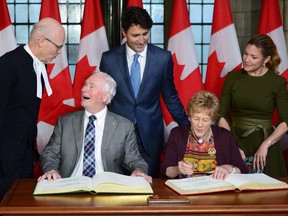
(204, 101)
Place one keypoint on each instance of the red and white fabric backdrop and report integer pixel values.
(93, 42)
(224, 52)
(271, 24)
(187, 77)
(61, 101)
(7, 37)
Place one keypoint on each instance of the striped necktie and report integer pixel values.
(89, 168)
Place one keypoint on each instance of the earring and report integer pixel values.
(264, 64)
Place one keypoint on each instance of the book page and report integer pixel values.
(198, 185)
(109, 182)
(64, 185)
(255, 181)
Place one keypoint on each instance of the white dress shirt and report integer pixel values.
(141, 59)
(99, 128)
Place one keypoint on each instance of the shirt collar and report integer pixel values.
(98, 115)
(39, 68)
(130, 53)
(27, 48)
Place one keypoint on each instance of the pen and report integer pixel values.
(185, 162)
(186, 175)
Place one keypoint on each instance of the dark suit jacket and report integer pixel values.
(227, 151)
(119, 149)
(19, 108)
(145, 109)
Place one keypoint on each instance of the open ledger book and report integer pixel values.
(104, 182)
(236, 182)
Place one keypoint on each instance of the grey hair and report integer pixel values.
(109, 86)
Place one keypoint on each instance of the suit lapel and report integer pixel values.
(78, 127)
(149, 69)
(109, 130)
(123, 68)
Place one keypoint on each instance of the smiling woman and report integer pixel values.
(252, 94)
(201, 148)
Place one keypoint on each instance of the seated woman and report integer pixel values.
(201, 147)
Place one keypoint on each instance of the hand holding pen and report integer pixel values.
(185, 168)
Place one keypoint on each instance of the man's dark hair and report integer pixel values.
(136, 16)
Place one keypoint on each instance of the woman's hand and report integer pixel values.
(259, 161)
(185, 168)
(221, 172)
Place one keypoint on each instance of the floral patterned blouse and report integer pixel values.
(201, 155)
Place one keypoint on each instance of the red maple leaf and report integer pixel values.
(185, 88)
(188, 86)
(53, 106)
(83, 71)
(214, 81)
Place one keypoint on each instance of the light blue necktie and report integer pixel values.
(89, 149)
(135, 74)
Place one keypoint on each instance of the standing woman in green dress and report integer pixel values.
(251, 94)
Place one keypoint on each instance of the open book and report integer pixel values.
(104, 182)
(237, 182)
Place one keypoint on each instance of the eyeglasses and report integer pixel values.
(59, 47)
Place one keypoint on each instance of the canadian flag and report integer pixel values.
(271, 24)
(7, 37)
(132, 3)
(224, 52)
(61, 101)
(187, 77)
(135, 3)
(93, 42)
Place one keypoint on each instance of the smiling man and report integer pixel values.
(114, 147)
(140, 101)
(23, 76)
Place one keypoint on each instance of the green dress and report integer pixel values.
(255, 98)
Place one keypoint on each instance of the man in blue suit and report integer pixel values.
(156, 79)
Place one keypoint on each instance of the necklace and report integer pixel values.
(200, 140)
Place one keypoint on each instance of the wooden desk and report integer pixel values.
(20, 201)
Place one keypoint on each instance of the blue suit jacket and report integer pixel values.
(145, 109)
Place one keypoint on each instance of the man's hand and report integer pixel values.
(139, 172)
(50, 176)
